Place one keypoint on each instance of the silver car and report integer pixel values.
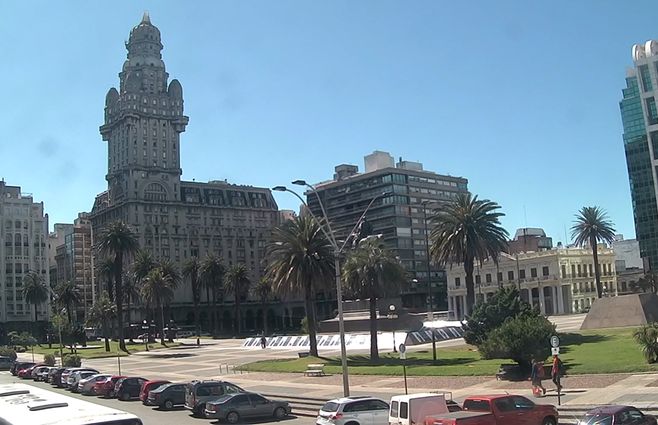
(86, 386)
(75, 377)
(361, 410)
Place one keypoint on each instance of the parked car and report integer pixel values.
(77, 376)
(87, 386)
(18, 366)
(359, 410)
(616, 415)
(105, 387)
(63, 379)
(167, 396)
(41, 373)
(198, 393)
(234, 407)
(149, 386)
(5, 363)
(27, 372)
(128, 388)
(55, 374)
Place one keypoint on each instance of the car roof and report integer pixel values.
(609, 409)
(492, 396)
(345, 400)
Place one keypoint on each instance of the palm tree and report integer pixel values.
(101, 314)
(191, 270)
(131, 292)
(301, 260)
(464, 230)
(106, 273)
(67, 296)
(158, 290)
(212, 276)
(263, 291)
(143, 264)
(117, 242)
(372, 271)
(35, 290)
(237, 282)
(591, 226)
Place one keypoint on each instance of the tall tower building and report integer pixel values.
(174, 219)
(640, 120)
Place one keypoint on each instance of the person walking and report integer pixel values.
(556, 372)
(536, 376)
(263, 342)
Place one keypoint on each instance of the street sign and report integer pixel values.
(402, 348)
(555, 351)
(555, 341)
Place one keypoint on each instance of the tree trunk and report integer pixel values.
(374, 349)
(237, 310)
(118, 289)
(68, 313)
(264, 318)
(214, 313)
(310, 322)
(470, 287)
(162, 323)
(597, 273)
(195, 300)
(107, 340)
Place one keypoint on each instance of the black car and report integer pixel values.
(167, 396)
(128, 388)
(6, 363)
(17, 366)
(55, 372)
(234, 407)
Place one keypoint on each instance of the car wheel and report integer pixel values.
(123, 396)
(198, 411)
(168, 404)
(233, 417)
(548, 421)
(280, 413)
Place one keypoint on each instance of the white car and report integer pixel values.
(86, 386)
(75, 377)
(360, 410)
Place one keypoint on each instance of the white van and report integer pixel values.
(412, 409)
(22, 404)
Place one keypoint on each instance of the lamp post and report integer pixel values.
(337, 253)
(145, 327)
(430, 305)
(392, 315)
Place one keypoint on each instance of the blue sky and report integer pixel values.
(520, 97)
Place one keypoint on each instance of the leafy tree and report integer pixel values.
(236, 281)
(106, 273)
(212, 276)
(464, 230)
(487, 316)
(647, 283)
(101, 314)
(8, 352)
(521, 339)
(23, 339)
(117, 242)
(191, 269)
(35, 290)
(71, 360)
(263, 291)
(131, 291)
(49, 359)
(647, 337)
(67, 296)
(301, 260)
(591, 226)
(372, 271)
(158, 290)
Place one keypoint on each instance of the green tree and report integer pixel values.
(106, 274)
(464, 230)
(35, 291)
(263, 291)
(372, 271)
(67, 296)
(590, 227)
(301, 260)
(101, 314)
(236, 281)
(647, 283)
(117, 242)
(212, 276)
(647, 337)
(191, 269)
(158, 290)
(22, 339)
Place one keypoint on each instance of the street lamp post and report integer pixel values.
(430, 306)
(392, 315)
(337, 253)
(145, 327)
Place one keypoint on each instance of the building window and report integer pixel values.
(564, 271)
(487, 278)
(510, 275)
(522, 274)
(544, 271)
(533, 272)
(457, 282)
(500, 277)
(478, 279)
(645, 78)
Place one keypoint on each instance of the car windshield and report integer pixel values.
(330, 407)
(597, 419)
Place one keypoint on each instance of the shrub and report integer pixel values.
(520, 339)
(71, 360)
(49, 359)
(647, 337)
(8, 352)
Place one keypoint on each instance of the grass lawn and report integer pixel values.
(99, 352)
(599, 351)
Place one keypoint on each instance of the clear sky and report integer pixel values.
(520, 97)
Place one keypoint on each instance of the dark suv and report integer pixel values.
(167, 396)
(198, 393)
(5, 363)
(128, 388)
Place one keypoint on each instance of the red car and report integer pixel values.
(148, 386)
(105, 387)
(617, 415)
(27, 373)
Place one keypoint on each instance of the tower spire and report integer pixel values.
(146, 19)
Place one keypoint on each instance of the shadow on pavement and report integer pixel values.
(261, 421)
(170, 356)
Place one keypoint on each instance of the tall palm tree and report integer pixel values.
(35, 290)
(237, 281)
(142, 264)
(118, 241)
(263, 291)
(101, 314)
(106, 273)
(301, 260)
(158, 290)
(67, 296)
(464, 230)
(590, 227)
(191, 268)
(372, 271)
(131, 291)
(212, 276)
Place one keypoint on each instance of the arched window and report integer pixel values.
(155, 192)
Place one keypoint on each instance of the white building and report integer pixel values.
(23, 248)
(558, 281)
